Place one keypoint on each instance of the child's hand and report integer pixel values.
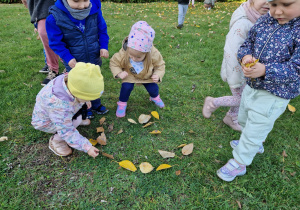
(155, 78)
(123, 75)
(93, 152)
(88, 104)
(248, 59)
(104, 53)
(255, 71)
(72, 63)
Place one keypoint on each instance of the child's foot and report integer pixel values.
(85, 122)
(231, 170)
(180, 26)
(101, 110)
(158, 102)
(51, 75)
(232, 122)
(60, 148)
(121, 110)
(44, 70)
(208, 107)
(234, 143)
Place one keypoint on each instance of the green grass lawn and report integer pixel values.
(32, 177)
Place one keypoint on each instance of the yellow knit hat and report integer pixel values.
(85, 81)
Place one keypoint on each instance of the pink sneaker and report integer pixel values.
(208, 107)
(231, 170)
(232, 122)
(85, 122)
(121, 110)
(158, 102)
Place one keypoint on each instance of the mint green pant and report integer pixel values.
(258, 112)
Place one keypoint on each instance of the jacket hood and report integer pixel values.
(95, 7)
(238, 14)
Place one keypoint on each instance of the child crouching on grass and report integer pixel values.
(275, 41)
(138, 61)
(60, 100)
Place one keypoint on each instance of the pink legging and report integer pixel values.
(52, 58)
(232, 101)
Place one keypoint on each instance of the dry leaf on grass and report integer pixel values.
(155, 132)
(239, 204)
(146, 167)
(144, 118)
(128, 165)
(284, 154)
(166, 154)
(131, 121)
(101, 121)
(163, 166)
(188, 149)
(148, 124)
(93, 141)
(3, 138)
(108, 155)
(178, 173)
(155, 114)
(102, 139)
(120, 131)
(291, 108)
(111, 127)
(181, 145)
(100, 129)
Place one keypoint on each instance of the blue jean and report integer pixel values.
(258, 112)
(126, 89)
(182, 9)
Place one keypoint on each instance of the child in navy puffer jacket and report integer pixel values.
(274, 41)
(77, 32)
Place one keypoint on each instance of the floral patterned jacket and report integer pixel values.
(52, 114)
(278, 47)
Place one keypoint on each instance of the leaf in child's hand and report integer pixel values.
(101, 121)
(188, 149)
(143, 118)
(291, 108)
(155, 114)
(102, 139)
(131, 121)
(155, 132)
(108, 155)
(163, 166)
(120, 131)
(166, 154)
(248, 65)
(111, 127)
(128, 165)
(100, 129)
(146, 167)
(148, 124)
(3, 138)
(93, 142)
(181, 145)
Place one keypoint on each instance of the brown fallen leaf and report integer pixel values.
(102, 139)
(111, 127)
(188, 149)
(108, 155)
(284, 154)
(293, 174)
(239, 204)
(131, 121)
(101, 121)
(178, 173)
(166, 154)
(191, 131)
(193, 88)
(144, 118)
(146, 167)
(3, 138)
(148, 124)
(120, 131)
(100, 129)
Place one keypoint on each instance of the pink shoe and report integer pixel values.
(232, 122)
(121, 110)
(85, 122)
(158, 102)
(208, 107)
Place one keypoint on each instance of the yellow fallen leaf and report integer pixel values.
(148, 124)
(166, 154)
(101, 121)
(100, 129)
(291, 108)
(143, 118)
(155, 114)
(108, 155)
(146, 167)
(248, 65)
(93, 141)
(188, 149)
(131, 121)
(102, 139)
(181, 145)
(128, 165)
(3, 138)
(163, 166)
(155, 132)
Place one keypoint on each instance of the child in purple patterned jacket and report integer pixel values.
(58, 103)
(273, 46)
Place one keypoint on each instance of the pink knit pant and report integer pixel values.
(232, 101)
(52, 58)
